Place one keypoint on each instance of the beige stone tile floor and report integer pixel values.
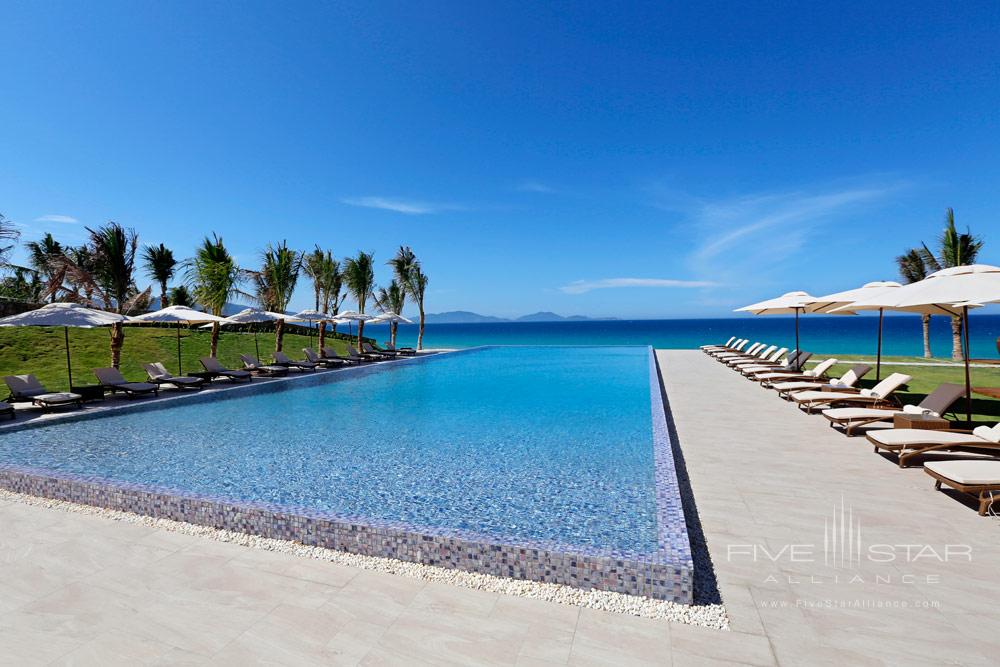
(85, 590)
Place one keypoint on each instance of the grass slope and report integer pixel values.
(41, 350)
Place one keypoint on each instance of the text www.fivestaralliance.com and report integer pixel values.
(852, 604)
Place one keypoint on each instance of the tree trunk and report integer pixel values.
(420, 336)
(926, 321)
(361, 328)
(215, 340)
(163, 295)
(956, 338)
(322, 338)
(117, 341)
(279, 335)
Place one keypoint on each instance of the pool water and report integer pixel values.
(540, 444)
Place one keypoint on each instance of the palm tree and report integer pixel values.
(275, 283)
(416, 289)
(214, 276)
(313, 265)
(8, 232)
(43, 255)
(359, 274)
(179, 296)
(160, 265)
(390, 300)
(114, 249)
(953, 249)
(912, 269)
(329, 283)
(80, 288)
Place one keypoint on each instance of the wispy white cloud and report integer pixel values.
(535, 186)
(51, 217)
(405, 206)
(584, 286)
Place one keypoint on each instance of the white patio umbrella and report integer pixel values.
(389, 318)
(309, 315)
(353, 316)
(946, 292)
(830, 302)
(63, 315)
(392, 319)
(254, 316)
(786, 304)
(177, 315)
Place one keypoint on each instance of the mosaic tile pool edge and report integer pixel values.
(666, 575)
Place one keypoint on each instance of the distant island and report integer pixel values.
(467, 317)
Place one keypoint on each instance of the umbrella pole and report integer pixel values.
(968, 382)
(256, 345)
(798, 349)
(69, 365)
(180, 370)
(878, 358)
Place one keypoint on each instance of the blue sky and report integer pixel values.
(651, 160)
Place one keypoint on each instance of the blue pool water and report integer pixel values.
(549, 444)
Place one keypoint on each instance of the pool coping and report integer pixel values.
(666, 574)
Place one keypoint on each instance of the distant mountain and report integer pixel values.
(467, 317)
(459, 317)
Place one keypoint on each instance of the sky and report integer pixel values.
(605, 159)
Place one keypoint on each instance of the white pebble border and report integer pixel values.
(710, 616)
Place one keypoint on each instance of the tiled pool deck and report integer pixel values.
(666, 574)
(78, 589)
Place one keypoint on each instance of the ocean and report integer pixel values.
(821, 334)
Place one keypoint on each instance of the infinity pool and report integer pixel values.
(514, 443)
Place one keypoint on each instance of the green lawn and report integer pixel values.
(926, 378)
(41, 350)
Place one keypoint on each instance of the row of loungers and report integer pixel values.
(849, 408)
(27, 388)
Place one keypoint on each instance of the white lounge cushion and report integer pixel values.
(971, 473)
(806, 396)
(988, 433)
(902, 436)
(57, 397)
(793, 386)
(858, 413)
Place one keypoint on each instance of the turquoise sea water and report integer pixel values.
(552, 444)
(821, 334)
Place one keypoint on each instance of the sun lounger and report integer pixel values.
(910, 443)
(738, 347)
(878, 396)
(320, 361)
(935, 404)
(253, 365)
(772, 357)
(751, 351)
(367, 348)
(282, 359)
(367, 356)
(212, 365)
(814, 374)
(330, 353)
(158, 374)
(7, 410)
(980, 479)
(28, 388)
(729, 342)
(112, 380)
(762, 352)
(407, 351)
(793, 363)
(843, 383)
